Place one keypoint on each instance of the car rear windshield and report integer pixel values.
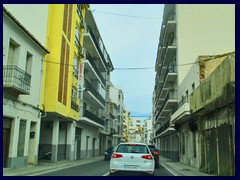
(152, 147)
(132, 148)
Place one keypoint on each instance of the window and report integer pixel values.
(187, 96)
(28, 67)
(193, 86)
(77, 36)
(79, 10)
(75, 67)
(74, 94)
(13, 53)
(21, 138)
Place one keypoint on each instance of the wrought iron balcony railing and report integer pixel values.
(74, 105)
(16, 79)
(163, 128)
(89, 58)
(93, 90)
(93, 117)
(88, 29)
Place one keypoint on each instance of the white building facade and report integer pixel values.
(22, 73)
(147, 130)
(187, 31)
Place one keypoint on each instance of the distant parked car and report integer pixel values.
(108, 153)
(155, 153)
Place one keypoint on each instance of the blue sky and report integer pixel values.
(131, 42)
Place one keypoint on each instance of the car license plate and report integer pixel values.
(131, 167)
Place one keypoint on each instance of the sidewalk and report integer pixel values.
(180, 169)
(46, 167)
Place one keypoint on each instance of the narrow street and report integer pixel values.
(98, 168)
(165, 86)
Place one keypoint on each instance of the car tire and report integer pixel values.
(152, 174)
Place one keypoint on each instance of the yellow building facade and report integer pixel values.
(60, 73)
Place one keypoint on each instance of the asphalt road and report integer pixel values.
(98, 168)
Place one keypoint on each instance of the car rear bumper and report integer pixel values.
(149, 169)
(130, 172)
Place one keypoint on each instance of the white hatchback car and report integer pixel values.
(132, 157)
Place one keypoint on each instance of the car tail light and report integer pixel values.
(146, 156)
(132, 144)
(156, 153)
(116, 155)
(150, 172)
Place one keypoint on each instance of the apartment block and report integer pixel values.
(187, 31)
(95, 72)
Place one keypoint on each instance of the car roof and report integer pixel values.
(132, 143)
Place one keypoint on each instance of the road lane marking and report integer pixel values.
(169, 169)
(106, 174)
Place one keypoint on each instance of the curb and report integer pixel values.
(171, 170)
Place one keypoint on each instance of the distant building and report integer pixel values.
(147, 130)
(136, 130)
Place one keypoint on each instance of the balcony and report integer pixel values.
(91, 65)
(170, 25)
(16, 80)
(169, 76)
(74, 106)
(168, 53)
(165, 130)
(93, 95)
(182, 113)
(168, 103)
(169, 22)
(92, 119)
(92, 45)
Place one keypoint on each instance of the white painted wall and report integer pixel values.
(10, 31)
(147, 130)
(113, 93)
(92, 132)
(191, 77)
(203, 29)
(26, 108)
